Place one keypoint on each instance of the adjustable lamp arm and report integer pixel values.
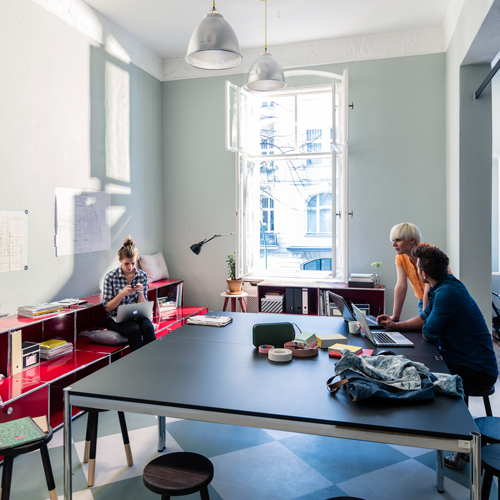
(196, 248)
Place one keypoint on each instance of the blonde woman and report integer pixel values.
(405, 237)
(127, 285)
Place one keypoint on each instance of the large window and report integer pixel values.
(287, 202)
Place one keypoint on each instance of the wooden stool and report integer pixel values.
(489, 427)
(91, 441)
(490, 463)
(8, 463)
(233, 298)
(177, 474)
(482, 394)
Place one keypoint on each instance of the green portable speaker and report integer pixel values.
(275, 334)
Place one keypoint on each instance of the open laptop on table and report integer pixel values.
(131, 312)
(381, 339)
(345, 309)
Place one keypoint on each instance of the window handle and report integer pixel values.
(351, 213)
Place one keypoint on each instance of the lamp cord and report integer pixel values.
(265, 24)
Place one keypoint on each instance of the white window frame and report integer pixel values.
(236, 124)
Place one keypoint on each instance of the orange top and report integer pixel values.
(411, 271)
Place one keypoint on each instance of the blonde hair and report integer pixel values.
(128, 250)
(406, 231)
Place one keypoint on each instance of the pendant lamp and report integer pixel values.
(266, 72)
(213, 44)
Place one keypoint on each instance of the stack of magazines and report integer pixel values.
(166, 306)
(209, 320)
(39, 310)
(51, 349)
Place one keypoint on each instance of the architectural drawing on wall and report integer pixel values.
(82, 221)
(13, 241)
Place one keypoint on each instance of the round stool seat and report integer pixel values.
(28, 447)
(177, 474)
(490, 458)
(489, 427)
(478, 394)
(345, 498)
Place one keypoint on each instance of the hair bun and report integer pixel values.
(129, 242)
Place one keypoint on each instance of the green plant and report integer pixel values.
(376, 265)
(231, 266)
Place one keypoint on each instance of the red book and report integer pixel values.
(364, 352)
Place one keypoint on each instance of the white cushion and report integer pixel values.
(154, 266)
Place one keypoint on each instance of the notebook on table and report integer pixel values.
(131, 312)
(381, 339)
(345, 309)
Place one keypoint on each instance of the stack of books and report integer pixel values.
(39, 310)
(166, 306)
(51, 349)
(209, 320)
(359, 280)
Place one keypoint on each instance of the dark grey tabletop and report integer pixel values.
(218, 370)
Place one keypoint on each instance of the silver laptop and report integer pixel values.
(345, 309)
(381, 339)
(131, 312)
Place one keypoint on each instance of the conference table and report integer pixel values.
(217, 375)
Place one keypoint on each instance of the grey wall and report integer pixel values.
(59, 128)
(396, 162)
(468, 151)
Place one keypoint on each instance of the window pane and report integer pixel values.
(314, 117)
(277, 125)
(311, 221)
(301, 227)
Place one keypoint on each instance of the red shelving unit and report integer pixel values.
(39, 390)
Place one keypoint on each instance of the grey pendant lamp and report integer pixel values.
(266, 72)
(213, 44)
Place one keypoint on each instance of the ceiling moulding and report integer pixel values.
(341, 50)
(117, 41)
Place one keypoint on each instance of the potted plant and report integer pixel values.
(233, 284)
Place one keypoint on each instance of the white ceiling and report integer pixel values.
(165, 27)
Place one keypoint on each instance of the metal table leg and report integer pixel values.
(67, 446)
(440, 471)
(162, 433)
(475, 467)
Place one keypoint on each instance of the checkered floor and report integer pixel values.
(249, 463)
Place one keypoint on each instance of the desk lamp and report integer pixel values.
(196, 248)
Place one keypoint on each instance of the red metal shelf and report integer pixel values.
(66, 364)
(11, 388)
(181, 314)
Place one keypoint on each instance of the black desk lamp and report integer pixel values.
(196, 248)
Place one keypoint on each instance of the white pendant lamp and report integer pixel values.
(266, 72)
(213, 44)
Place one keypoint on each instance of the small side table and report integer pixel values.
(233, 298)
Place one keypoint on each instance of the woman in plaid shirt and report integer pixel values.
(127, 285)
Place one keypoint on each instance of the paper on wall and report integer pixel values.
(13, 241)
(82, 221)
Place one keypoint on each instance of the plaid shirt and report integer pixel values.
(115, 281)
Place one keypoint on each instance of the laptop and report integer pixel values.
(131, 312)
(381, 339)
(345, 309)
